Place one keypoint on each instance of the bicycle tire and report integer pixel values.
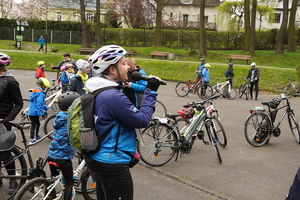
(294, 126)
(219, 130)
(36, 187)
(48, 126)
(23, 114)
(205, 93)
(241, 91)
(152, 152)
(88, 186)
(182, 89)
(21, 169)
(247, 92)
(288, 90)
(232, 95)
(213, 139)
(160, 110)
(257, 129)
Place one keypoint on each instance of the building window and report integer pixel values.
(186, 1)
(90, 17)
(74, 15)
(59, 16)
(185, 18)
(275, 17)
(171, 15)
(205, 18)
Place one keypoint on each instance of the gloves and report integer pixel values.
(153, 84)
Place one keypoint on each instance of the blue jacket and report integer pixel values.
(37, 105)
(60, 147)
(113, 109)
(200, 68)
(41, 41)
(205, 75)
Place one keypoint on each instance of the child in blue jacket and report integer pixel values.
(37, 108)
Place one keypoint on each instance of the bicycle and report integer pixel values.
(224, 88)
(48, 188)
(160, 110)
(244, 89)
(22, 172)
(259, 124)
(292, 88)
(163, 138)
(183, 88)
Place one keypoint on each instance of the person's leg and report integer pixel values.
(34, 121)
(37, 130)
(251, 89)
(256, 90)
(114, 180)
(67, 172)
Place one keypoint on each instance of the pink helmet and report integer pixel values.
(4, 60)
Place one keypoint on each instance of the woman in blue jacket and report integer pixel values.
(114, 113)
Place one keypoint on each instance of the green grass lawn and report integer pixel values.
(272, 79)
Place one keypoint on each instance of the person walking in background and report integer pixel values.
(253, 76)
(10, 105)
(115, 114)
(230, 73)
(200, 68)
(60, 150)
(41, 41)
(134, 90)
(37, 108)
(77, 82)
(40, 70)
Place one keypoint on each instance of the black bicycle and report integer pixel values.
(259, 125)
(244, 89)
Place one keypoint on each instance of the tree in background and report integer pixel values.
(247, 25)
(98, 24)
(292, 28)
(202, 38)
(252, 32)
(262, 11)
(5, 7)
(28, 10)
(282, 30)
(235, 10)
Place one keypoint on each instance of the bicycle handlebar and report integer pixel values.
(195, 105)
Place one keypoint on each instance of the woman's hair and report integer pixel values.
(2, 69)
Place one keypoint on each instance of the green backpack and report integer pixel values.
(81, 125)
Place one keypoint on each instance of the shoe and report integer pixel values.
(32, 141)
(13, 186)
(37, 138)
(255, 99)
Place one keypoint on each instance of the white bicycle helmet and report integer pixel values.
(4, 60)
(106, 56)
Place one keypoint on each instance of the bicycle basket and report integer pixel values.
(7, 139)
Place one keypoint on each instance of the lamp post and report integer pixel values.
(46, 27)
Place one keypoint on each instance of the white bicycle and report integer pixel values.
(224, 88)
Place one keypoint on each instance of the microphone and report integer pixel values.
(138, 76)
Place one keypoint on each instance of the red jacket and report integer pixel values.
(39, 73)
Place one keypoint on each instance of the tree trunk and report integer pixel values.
(282, 30)
(253, 21)
(84, 28)
(292, 29)
(98, 24)
(247, 25)
(158, 37)
(202, 42)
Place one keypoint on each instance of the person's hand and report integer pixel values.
(126, 84)
(50, 110)
(153, 83)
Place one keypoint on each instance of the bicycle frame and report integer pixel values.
(54, 96)
(219, 86)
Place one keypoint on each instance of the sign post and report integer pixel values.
(20, 28)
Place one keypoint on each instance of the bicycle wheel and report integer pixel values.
(49, 92)
(36, 188)
(230, 94)
(88, 186)
(219, 130)
(257, 129)
(159, 144)
(213, 138)
(247, 92)
(294, 126)
(160, 110)
(205, 91)
(20, 169)
(182, 89)
(289, 90)
(48, 126)
(241, 91)
(23, 114)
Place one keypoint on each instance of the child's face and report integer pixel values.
(70, 70)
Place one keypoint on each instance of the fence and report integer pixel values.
(143, 37)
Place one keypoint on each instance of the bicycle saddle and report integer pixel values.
(18, 124)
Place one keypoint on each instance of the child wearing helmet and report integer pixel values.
(40, 70)
(37, 108)
(60, 150)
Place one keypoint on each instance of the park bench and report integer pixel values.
(87, 50)
(159, 53)
(239, 57)
(129, 52)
